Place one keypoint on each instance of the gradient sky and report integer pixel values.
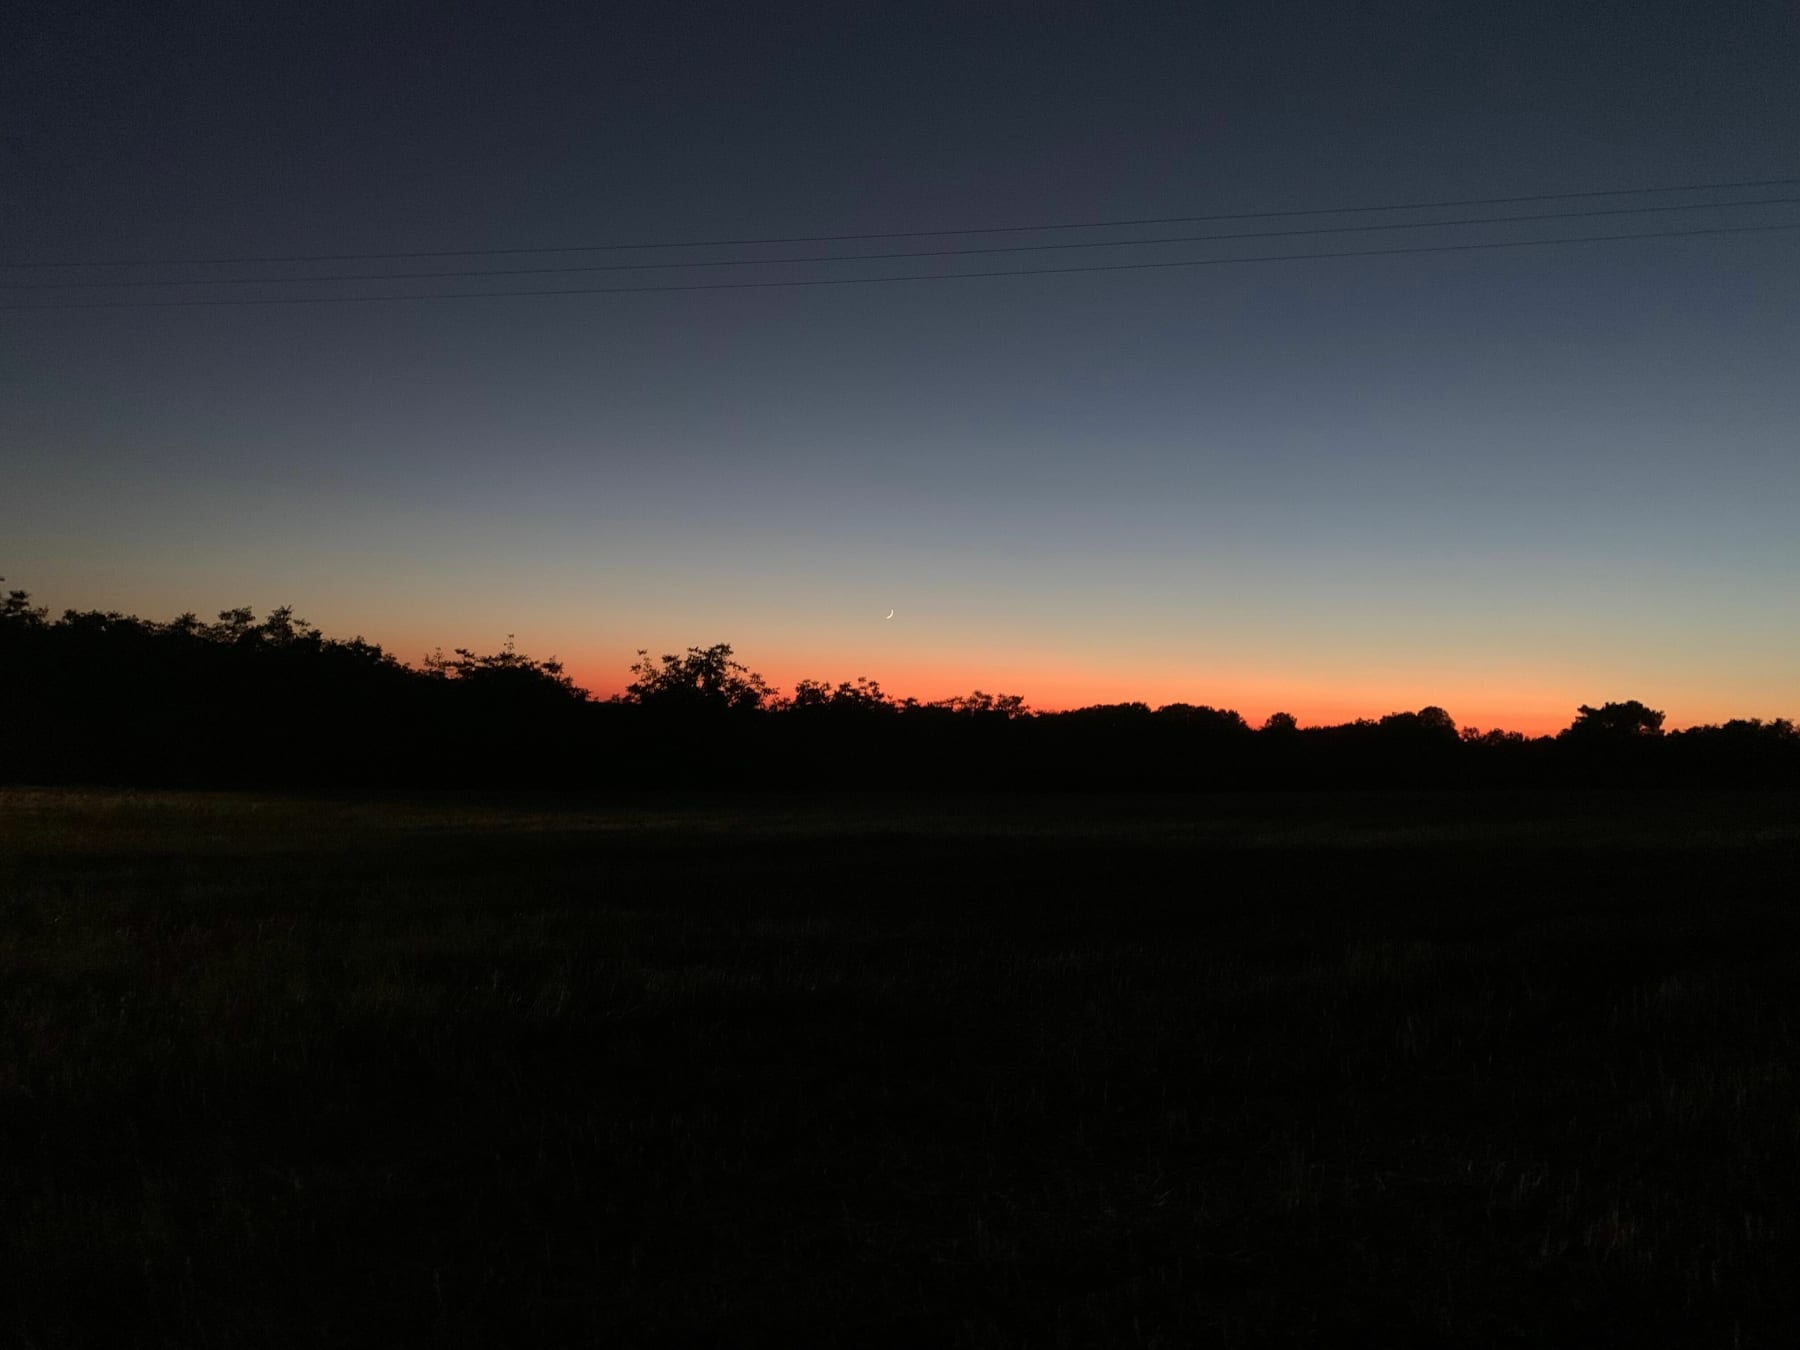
(1505, 482)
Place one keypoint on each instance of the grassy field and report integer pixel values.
(983, 1072)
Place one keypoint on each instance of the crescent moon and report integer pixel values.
(890, 614)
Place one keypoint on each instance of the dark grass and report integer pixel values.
(985, 1072)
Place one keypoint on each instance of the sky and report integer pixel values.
(1503, 481)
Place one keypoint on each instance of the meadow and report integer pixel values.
(1478, 1068)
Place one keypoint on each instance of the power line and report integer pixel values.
(929, 276)
(919, 234)
(884, 257)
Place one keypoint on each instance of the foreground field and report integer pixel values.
(973, 1072)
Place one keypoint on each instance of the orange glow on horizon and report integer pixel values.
(1533, 708)
(1529, 695)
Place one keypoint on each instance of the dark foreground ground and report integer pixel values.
(1218, 1071)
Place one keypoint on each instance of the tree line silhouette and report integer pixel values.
(105, 697)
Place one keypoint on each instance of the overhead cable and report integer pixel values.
(886, 257)
(904, 277)
(1446, 204)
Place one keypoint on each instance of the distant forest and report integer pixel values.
(95, 697)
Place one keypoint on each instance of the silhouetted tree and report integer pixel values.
(704, 679)
(1199, 717)
(18, 609)
(1614, 721)
(864, 696)
(1429, 724)
(1494, 737)
(235, 625)
(1435, 719)
(979, 703)
(505, 672)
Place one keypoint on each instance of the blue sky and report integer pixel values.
(1505, 482)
